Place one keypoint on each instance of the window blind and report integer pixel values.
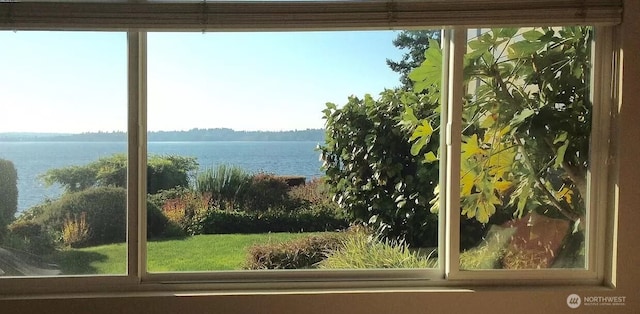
(303, 15)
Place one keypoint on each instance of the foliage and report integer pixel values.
(104, 207)
(372, 173)
(296, 254)
(489, 253)
(265, 191)
(226, 185)
(105, 210)
(158, 225)
(163, 172)
(361, 250)
(8, 194)
(169, 171)
(29, 237)
(527, 124)
(311, 220)
(75, 230)
(316, 192)
(182, 209)
(416, 41)
(233, 188)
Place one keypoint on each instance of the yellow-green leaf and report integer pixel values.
(430, 157)
(422, 131)
(466, 184)
(487, 121)
(417, 146)
(470, 147)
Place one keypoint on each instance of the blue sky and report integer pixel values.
(76, 82)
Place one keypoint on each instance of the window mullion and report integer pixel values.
(453, 91)
(602, 98)
(137, 152)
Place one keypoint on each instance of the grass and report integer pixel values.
(197, 253)
(359, 251)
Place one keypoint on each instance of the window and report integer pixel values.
(459, 91)
(258, 181)
(526, 144)
(57, 94)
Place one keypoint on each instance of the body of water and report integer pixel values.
(32, 159)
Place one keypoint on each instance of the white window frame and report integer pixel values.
(143, 17)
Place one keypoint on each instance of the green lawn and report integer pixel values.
(197, 253)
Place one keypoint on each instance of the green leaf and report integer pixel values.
(560, 138)
(532, 35)
(560, 155)
(409, 116)
(477, 44)
(523, 49)
(429, 73)
(430, 157)
(416, 147)
(521, 116)
(507, 32)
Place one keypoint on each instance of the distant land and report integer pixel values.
(193, 135)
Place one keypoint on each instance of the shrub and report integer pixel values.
(219, 221)
(313, 192)
(167, 172)
(157, 223)
(8, 194)
(182, 208)
(29, 237)
(163, 172)
(105, 210)
(293, 181)
(360, 250)
(368, 161)
(297, 254)
(265, 191)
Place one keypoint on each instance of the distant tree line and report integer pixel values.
(193, 135)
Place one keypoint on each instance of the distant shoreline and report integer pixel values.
(193, 135)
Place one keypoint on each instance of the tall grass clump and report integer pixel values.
(225, 184)
(360, 250)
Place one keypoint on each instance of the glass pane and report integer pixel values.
(62, 153)
(250, 168)
(525, 148)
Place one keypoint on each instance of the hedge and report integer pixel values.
(217, 221)
(105, 210)
(8, 194)
(297, 254)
